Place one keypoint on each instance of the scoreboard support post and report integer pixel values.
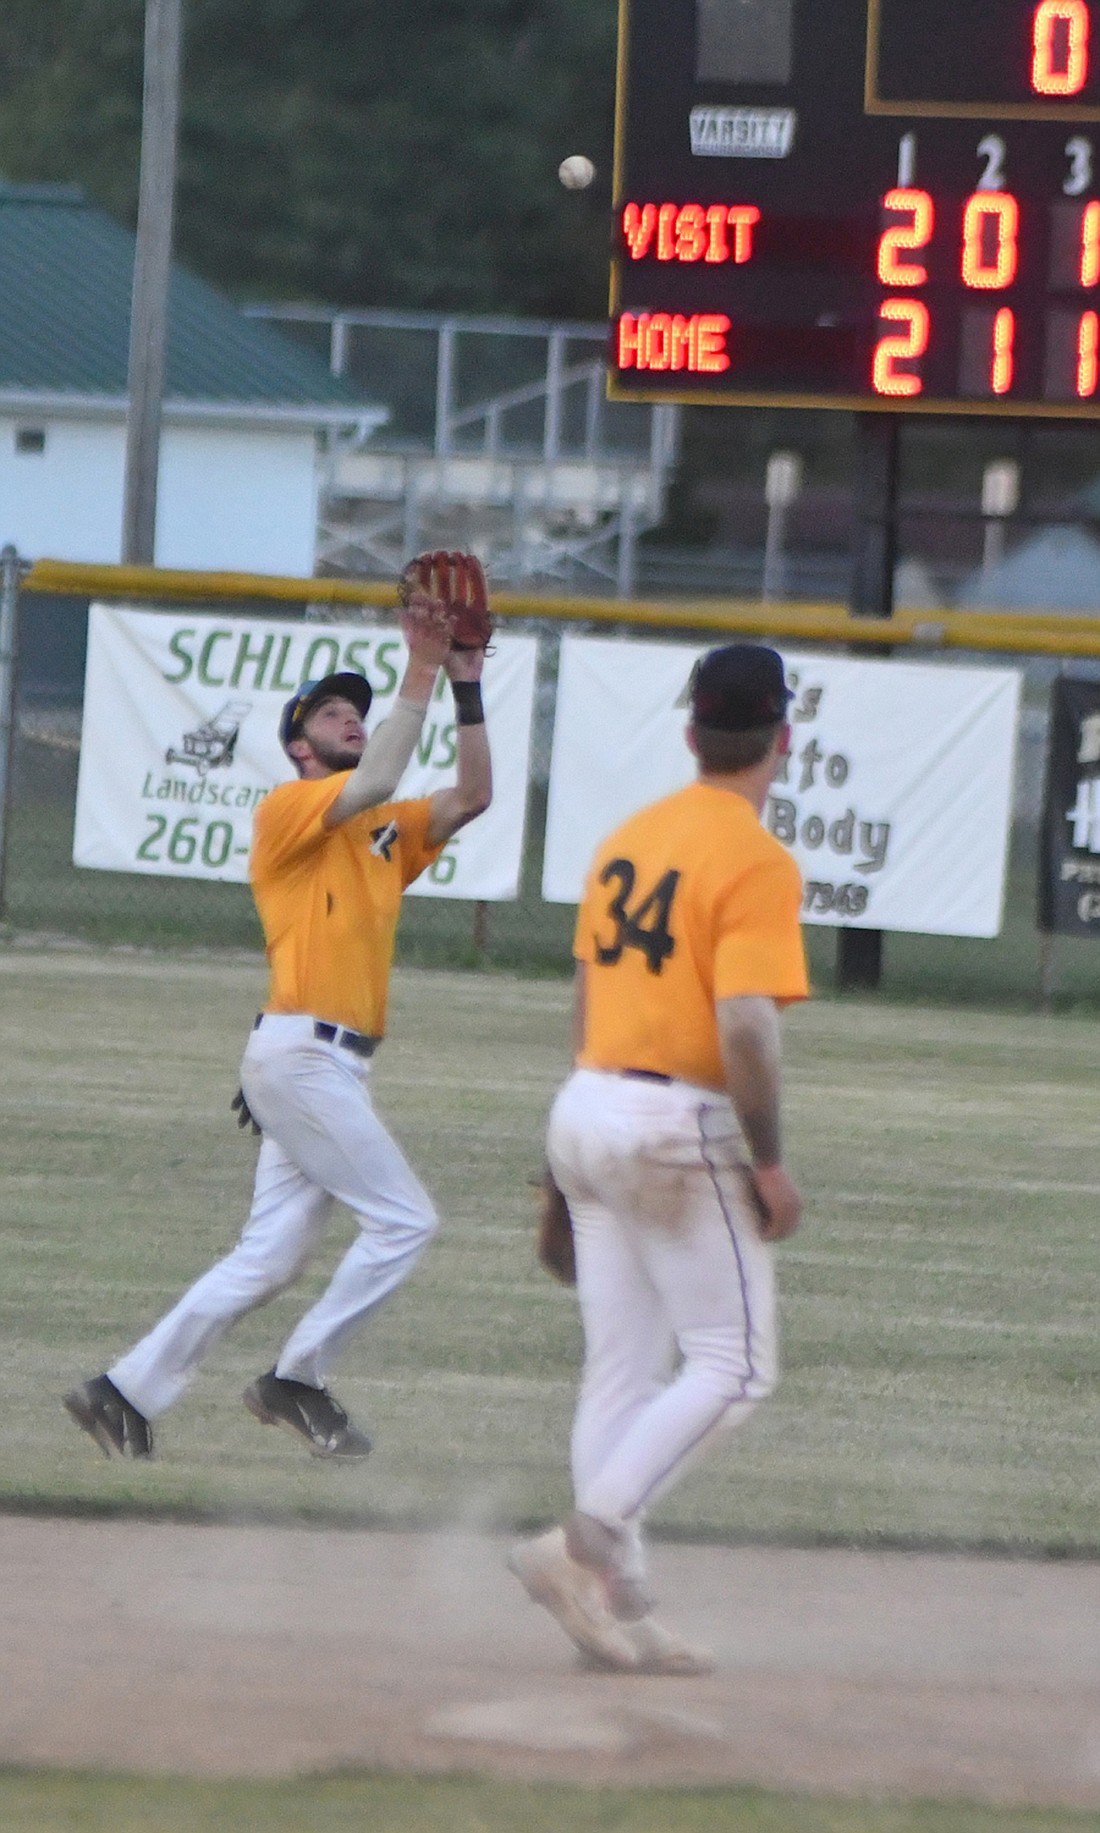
(875, 548)
(858, 959)
(874, 559)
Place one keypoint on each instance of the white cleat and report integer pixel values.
(576, 1597)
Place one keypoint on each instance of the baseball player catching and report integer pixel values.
(665, 1145)
(331, 856)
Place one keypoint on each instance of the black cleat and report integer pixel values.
(310, 1412)
(117, 1427)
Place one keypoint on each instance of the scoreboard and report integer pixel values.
(868, 204)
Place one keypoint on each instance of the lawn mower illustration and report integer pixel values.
(213, 742)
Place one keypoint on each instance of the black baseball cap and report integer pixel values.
(739, 687)
(355, 688)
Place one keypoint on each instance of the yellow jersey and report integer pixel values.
(329, 898)
(689, 901)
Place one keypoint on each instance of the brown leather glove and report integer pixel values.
(245, 1116)
(457, 580)
(554, 1244)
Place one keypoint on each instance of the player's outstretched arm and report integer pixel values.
(748, 1027)
(472, 791)
(426, 628)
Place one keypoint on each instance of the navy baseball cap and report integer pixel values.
(355, 688)
(739, 687)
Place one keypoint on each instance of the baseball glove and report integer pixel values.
(554, 1244)
(459, 581)
(245, 1116)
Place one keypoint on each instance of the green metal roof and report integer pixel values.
(66, 276)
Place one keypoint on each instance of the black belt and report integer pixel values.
(645, 1075)
(360, 1042)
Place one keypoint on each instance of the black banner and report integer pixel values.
(1069, 858)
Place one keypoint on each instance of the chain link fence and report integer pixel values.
(45, 896)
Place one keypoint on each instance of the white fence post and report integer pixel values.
(781, 487)
(1000, 499)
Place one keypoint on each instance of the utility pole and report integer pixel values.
(11, 570)
(152, 266)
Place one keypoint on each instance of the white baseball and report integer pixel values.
(576, 172)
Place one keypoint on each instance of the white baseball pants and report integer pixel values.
(676, 1287)
(323, 1143)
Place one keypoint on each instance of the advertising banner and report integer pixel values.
(1069, 857)
(896, 798)
(180, 744)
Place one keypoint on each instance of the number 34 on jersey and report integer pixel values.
(642, 921)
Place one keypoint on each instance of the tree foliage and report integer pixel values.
(354, 152)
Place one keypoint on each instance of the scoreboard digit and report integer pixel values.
(864, 204)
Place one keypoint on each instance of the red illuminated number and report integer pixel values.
(899, 347)
(991, 223)
(914, 234)
(1004, 338)
(1088, 354)
(1060, 47)
(1090, 245)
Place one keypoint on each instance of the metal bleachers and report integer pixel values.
(499, 438)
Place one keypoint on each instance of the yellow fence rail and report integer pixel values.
(1018, 633)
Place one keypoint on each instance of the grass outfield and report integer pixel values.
(942, 1364)
(63, 1804)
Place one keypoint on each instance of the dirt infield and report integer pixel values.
(248, 1651)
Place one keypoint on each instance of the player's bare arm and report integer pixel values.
(472, 791)
(748, 1028)
(384, 760)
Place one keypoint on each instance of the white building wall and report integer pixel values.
(64, 502)
(239, 500)
(228, 498)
